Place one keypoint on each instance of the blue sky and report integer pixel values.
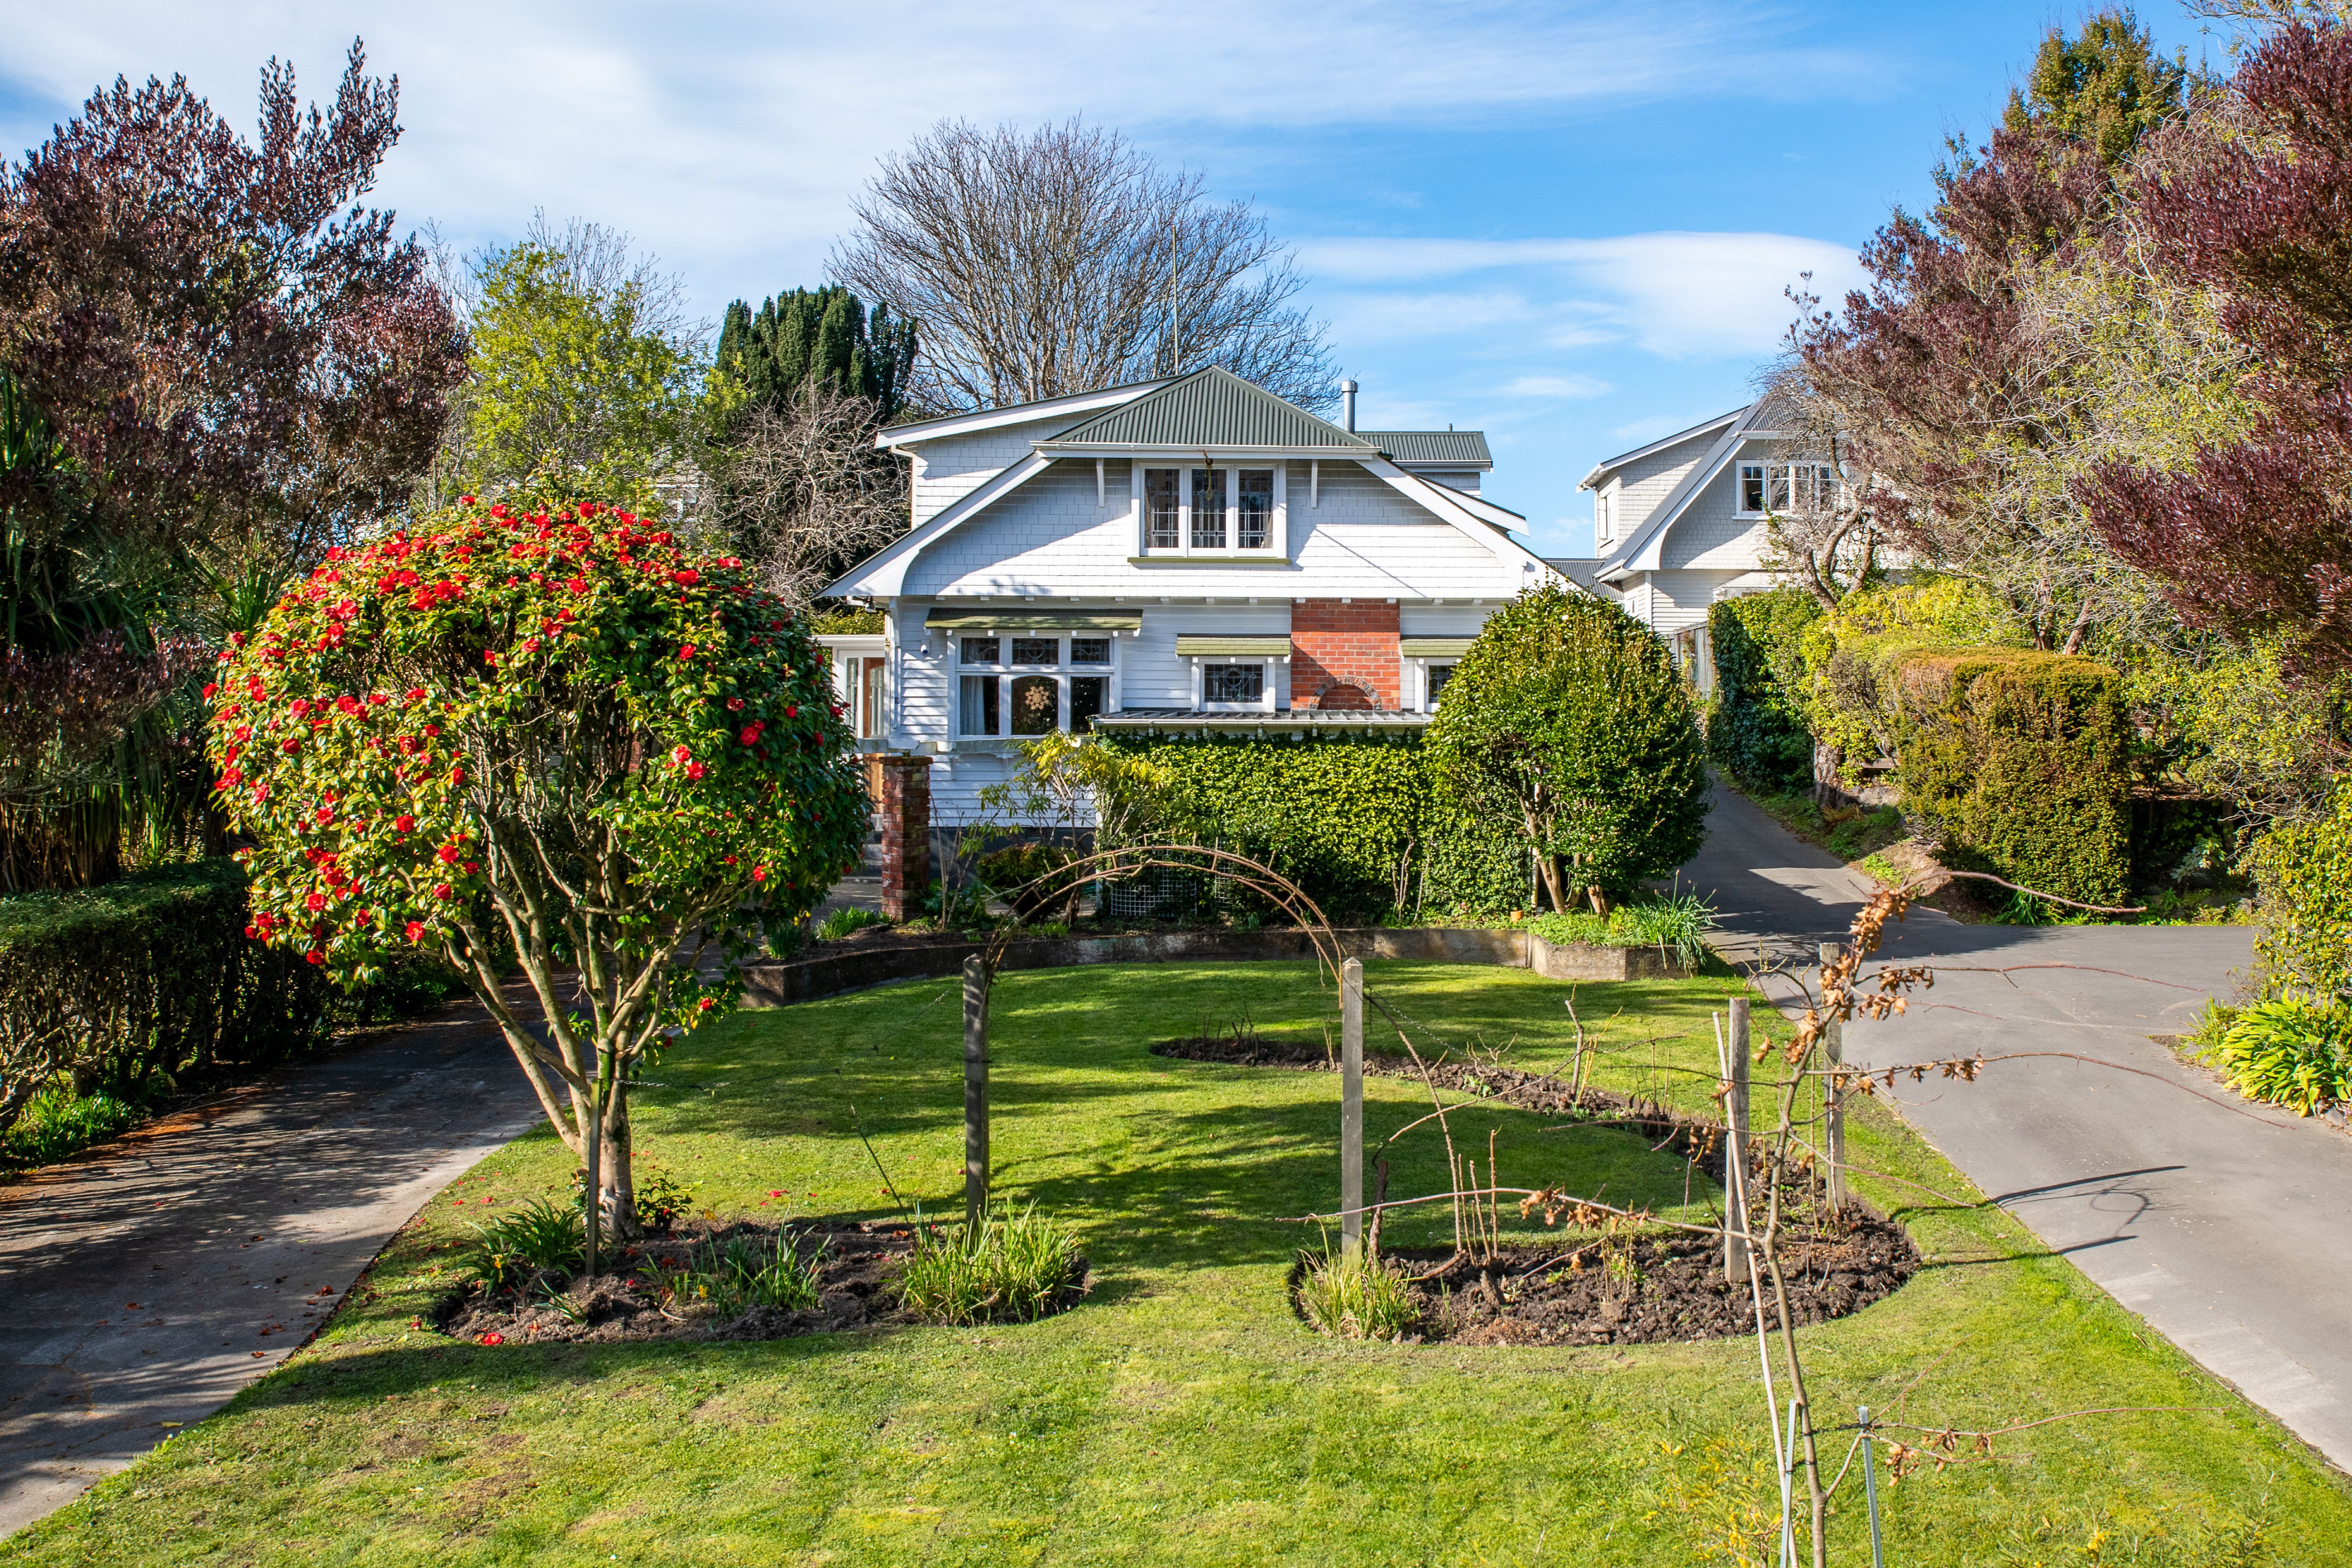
(1570, 225)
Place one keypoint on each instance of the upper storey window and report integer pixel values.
(1787, 487)
(1228, 510)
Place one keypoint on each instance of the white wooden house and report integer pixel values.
(1681, 522)
(1184, 554)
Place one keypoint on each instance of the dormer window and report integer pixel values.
(1784, 487)
(1228, 510)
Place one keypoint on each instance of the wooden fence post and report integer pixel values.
(1834, 1117)
(1352, 1106)
(975, 1089)
(1735, 1149)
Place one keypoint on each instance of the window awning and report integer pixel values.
(951, 618)
(1210, 645)
(1434, 648)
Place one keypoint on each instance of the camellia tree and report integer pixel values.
(542, 726)
(1568, 716)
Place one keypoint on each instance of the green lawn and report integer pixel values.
(1182, 1414)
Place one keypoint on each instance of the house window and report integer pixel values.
(1216, 508)
(1208, 509)
(1439, 673)
(1036, 705)
(977, 710)
(1786, 488)
(1236, 684)
(1254, 511)
(1163, 507)
(1600, 517)
(1014, 696)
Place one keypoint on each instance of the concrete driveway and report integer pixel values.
(147, 1281)
(2227, 1226)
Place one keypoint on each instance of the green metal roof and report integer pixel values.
(1211, 407)
(1434, 448)
(949, 617)
(1238, 646)
(1434, 648)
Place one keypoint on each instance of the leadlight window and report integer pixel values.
(1037, 704)
(979, 650)
(1208, 509)
(1037, 651)
(1091, 650)
(1163, 506)
(1233, 682)
(1253, 509)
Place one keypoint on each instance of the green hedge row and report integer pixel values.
(2021, 761)
(121, 988)
(1363, 824)
(2306, 876)
(1756, 726)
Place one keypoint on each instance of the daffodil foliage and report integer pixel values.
(549, 722)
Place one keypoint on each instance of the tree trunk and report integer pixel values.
(617, 1200)
(1600, 901)
(1549, 866)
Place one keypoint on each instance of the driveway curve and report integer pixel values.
(2226, 1225)
(147, 1281)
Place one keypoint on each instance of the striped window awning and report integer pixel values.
(1434, 648)
(1208, 645)
(951, 618)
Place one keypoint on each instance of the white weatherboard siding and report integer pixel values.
(1151, 673)
(951, 468)
(1708, 535)
(1444, 620)
(1674, 600)
(1465, 479)
(1050, 538)
(1636, 489)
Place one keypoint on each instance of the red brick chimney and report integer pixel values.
(1343, 653)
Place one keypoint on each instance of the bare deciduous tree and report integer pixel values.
(802, 492)
(1824, 532)
(1063, 260)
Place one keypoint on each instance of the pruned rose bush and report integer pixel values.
(546, 725)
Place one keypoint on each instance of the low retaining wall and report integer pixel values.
(779, 982)
(1576, 962)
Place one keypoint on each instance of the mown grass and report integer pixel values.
(1182, 1414)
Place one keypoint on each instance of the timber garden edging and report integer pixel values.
(777, 982)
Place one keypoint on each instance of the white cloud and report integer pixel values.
(1554, 386)
(1677, 294)
(729, 138)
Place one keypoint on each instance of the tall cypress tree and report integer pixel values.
(821, 338)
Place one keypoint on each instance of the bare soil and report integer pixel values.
(1646, 1290)
(855, 1272)
(1548, 1094)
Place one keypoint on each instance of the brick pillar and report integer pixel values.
(901, 791)
(1336, 645)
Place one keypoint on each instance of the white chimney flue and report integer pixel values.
(1348, 405)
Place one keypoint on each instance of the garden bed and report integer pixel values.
(856, 1270)
(1642, 1289)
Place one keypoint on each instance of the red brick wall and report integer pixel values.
(1335, 645)
(901, 790)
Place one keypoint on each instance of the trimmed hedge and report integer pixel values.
(1756, 728)
(2020, 760)
(2306, 872)
(121, 988)
(1363, 824)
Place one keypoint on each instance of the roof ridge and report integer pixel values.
(1171, 416)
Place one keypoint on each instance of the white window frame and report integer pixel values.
(1277, 680)
(1766, 471)
(1277, 544)
(1417, 669)
(1600, 517)
(1062, 671)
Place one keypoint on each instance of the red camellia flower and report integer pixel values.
(734, 705)
(694, 770)
(441, 890)
(759, 873)
(705, 1006)
(685, 652)
(448, 853)
(751, 734)
(315, 957)
(405, 823)
(210, 687)
(791, 711)
(465, 500)
(576, 585)
(681, 756)
(494, 1338)
(686, 578)
(416, 930)
(314, 903)
(254, 933)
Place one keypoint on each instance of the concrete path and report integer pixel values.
(2227, 1226)
(144, 1283)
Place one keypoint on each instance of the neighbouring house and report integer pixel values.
(1184, 554)
(1682, 521)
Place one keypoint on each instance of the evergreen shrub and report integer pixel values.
(2020, 760)
(1756, 730)
(1363, 823)
(2306, 871)
(117, 990)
